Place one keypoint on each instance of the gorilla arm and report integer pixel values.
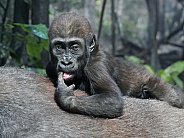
(108, 103)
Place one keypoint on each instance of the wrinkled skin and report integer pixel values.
(78, 64)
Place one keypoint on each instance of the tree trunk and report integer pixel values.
(120, 6)
(101, 19)
(113, 26)
(162, 18)
(3, 17)
(40, 14)
(152, 6)
(21, 15)
(89, 11)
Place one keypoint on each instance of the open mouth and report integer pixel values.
(67, 75)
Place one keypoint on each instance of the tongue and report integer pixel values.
(66, 75)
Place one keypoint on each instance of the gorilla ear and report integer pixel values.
(93, 44)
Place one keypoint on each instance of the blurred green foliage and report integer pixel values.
(171, 73)
(36, 40)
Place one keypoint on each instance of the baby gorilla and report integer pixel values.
(78, 65)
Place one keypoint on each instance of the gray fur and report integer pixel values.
(28, 110)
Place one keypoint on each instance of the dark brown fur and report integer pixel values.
(68, 27)
(104, 78)
(28, 110)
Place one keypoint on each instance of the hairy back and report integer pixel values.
(28, 110)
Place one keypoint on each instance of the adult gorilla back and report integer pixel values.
(28, 110)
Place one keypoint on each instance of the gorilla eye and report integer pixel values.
(74, 48)
(59, 47)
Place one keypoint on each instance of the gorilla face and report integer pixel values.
(70, 56)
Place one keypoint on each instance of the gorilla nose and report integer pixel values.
(66, 61)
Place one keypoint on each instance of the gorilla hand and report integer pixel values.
(63, 88)
(64, 95)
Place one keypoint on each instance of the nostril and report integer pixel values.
(66, 63)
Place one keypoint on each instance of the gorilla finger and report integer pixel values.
(60, 79)
(71, 87)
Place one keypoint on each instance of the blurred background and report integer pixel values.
(147, 32)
